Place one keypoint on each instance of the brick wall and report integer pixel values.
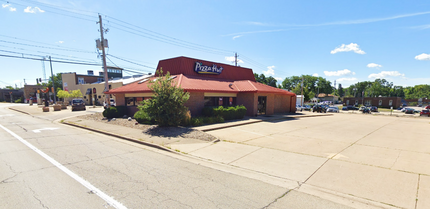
(196, 103)
(249, 101)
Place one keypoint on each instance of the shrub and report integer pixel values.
(228, 113)
(143, 117)
(110, 112)
(208, 111)
(20, 100)
(167, 106)
(122, 110)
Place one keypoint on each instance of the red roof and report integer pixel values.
(186, 66)
(205, 84)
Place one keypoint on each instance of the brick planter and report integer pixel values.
(45, 109)
(57, 107)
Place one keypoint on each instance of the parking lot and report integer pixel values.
(380, 159)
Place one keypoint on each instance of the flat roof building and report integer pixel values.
(212, 84)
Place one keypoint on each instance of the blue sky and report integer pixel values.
(347, 41)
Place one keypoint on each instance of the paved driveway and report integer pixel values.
(364, 158)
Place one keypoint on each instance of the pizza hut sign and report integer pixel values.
(203, 69)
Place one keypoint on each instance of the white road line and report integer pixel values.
(112, 202)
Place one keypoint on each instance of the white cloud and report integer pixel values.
(33, 10)
(339, 73)
(315, 75)
(235, 37)
(270, 71)
(60, 42)
(347, 48)
(279, 79)
(423, 56)
(12, 9)
(346, 79)
(374, 65)
(231, 59)
(421, 27)
(346, 22)
(384, 74)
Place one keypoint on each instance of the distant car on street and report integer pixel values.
(306, 107)
(427, 107)
(374, 109)
(319, 108)
(425, 112)
(350, 107)
(78, 104)
(333, 109)
(410, 111)
(112, 103)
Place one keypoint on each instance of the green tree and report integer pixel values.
(76, 94)
(167, 106)
(312, 84)
(9, 87)
(63, 94)
(340, 90)
(270, 81)
(57, 81)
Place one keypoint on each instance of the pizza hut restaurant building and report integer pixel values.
(212, 84)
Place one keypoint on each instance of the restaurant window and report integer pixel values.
(130, 101)
(220, 101)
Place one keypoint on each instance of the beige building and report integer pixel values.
(92, 86)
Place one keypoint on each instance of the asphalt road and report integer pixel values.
(49, 165)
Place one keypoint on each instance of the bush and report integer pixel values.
(20, 100)
(143, 117)
(166, 107)
(110, 112)
(122, 110)
(228, 113)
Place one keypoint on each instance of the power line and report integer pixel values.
(43, 53)
(63, 14)
(130, 61)
(45, 47)
(168, 37)
(58, 61)
(168, 41)
(69, 48)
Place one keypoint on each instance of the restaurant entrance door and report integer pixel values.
(261, 107)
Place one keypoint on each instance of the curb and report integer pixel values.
(121, 137)
(19, 111)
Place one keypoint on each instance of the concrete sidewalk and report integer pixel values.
(330, 166)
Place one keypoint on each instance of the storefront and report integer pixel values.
(212, 84)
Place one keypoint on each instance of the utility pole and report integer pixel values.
(235, 59)
(52, 77)
(303, 96)
(104, 62)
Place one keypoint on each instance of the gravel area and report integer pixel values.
(152, 130)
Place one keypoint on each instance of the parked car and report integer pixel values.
(410, 111)
(112, 103)
(425, 112)
(427, 107)
(78, 104)
(350, 107)
(366, 110)
(374, 109)
(319, 108)
(306, 107)
(345, 108)
(333, 109)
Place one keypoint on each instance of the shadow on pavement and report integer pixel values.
(168, 131)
